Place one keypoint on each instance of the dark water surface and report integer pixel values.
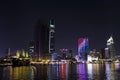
(62, 72)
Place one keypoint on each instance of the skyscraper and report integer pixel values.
(41, 39)
(107, 53)
(110, 46)
(83, 48)
(31, 48)
(52, 36)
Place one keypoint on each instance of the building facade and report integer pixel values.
(31, 48)
(110, 46)
(41, 39)
(83, 48)
(52, 36)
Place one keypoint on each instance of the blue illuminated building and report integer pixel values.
(83, 48)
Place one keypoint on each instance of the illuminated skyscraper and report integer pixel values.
(82, 48)
(52, 37)
(110, 46)
(107, 53)
(31, 48)
(41, 39)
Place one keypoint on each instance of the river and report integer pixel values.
(108, 71)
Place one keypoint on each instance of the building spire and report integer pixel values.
(110, 41)
(52, 23)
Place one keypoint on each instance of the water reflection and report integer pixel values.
(112, 71)
(16, 73)
(82, 72)
(62, 72)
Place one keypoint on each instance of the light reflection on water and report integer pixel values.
(62, 72)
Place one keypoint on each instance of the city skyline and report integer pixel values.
(96, 20)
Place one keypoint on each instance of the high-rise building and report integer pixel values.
(8, 52)
(107, 53)
(110, 46)
(102, 53)
(31, 49)
(64, 53)
(52, 36)
(41, 39)
(83, 48)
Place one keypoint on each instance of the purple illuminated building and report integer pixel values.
(83, 48)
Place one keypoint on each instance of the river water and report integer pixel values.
(108, 71)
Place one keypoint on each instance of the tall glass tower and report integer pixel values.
(83, 48)
(52, 36)
(41, 39)
(110, 46)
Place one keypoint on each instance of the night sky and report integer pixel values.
(95, 19)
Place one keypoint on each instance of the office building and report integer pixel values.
(52, 36)
(83, 48)
(41, 39)
(110, 46)
(107, 53)
(31, 49)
